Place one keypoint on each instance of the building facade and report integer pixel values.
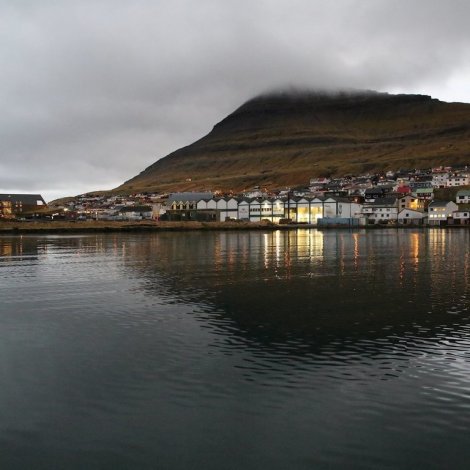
(23, 203)
(303, 210)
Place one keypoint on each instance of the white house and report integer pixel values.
(227, 208)
(277, 210)
(440, 211)
(439, 180)
(255, 210)
(411, 217)
(258, 209)
(243, 210)
(461, 217)
(383, 210)
(348, 209)
(303, 211)
(329, 207)
(316, 210)
(458, 180)
(219, 209)
(463, 196)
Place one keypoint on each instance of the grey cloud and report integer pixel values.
(93, 92)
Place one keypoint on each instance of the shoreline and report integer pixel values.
(58, 227)
(9, 228)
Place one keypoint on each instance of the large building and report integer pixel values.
(22, 203)
(5, 210)
(197, 206)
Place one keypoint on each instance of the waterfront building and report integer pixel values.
(183, 206)
(305, 210)
(5, 209)
(461, 216)
(411, 217)
(439, 212)
(385, 210)
(381, 211)
(23, 203)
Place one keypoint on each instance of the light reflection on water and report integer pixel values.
(294, 349)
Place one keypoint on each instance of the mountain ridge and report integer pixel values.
(285, 138)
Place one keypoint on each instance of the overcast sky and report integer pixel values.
(92, 92)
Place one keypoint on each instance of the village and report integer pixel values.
(433, 197)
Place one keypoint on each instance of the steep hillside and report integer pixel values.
(284, 139)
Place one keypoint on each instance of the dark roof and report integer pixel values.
(375, 190)
(26, 199)
(425, 178)
(188, 197)
(342, 199)
(439, 203)
(383, 201)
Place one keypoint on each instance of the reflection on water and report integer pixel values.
(297, 349)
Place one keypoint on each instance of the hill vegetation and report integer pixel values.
(283, 139)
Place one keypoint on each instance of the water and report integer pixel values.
(234, 350)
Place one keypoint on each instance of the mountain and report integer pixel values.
(285, 138)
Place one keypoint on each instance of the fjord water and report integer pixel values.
(211, 350)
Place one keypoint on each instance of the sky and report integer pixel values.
(93, 92)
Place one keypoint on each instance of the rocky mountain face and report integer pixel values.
(284, 139)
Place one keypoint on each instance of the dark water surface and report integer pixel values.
(236, 350)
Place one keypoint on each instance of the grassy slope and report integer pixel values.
(448, 194)
(284, 140)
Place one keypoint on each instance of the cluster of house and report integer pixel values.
(404, 198)
(373, 208)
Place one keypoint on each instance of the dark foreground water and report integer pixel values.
(250, 350)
